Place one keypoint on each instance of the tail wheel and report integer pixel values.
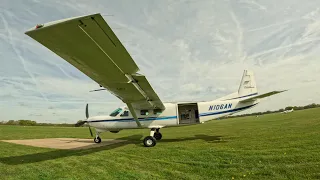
(157, 135)
(97, 140)
(149, 141)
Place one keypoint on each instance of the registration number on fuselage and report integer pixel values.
(220, 106)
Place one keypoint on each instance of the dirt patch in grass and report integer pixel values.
(64, 143)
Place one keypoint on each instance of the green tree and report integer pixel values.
(11, 122)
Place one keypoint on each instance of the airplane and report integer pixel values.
(89, 44)
(287, 111)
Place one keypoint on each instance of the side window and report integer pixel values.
(125, 114)
(144, 112)
(157, 111)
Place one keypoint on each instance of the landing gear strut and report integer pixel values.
(151, 140)
(157, 135)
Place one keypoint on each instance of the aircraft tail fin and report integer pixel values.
(248, 89)
(247, 85)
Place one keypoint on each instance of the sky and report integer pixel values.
(189, 51)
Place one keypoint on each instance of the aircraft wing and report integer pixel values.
(261, 96)
(89, 44)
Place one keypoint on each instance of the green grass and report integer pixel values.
(274, 146)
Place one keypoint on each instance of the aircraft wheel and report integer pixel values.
(97, 140)
(157, 135)
(149, 141)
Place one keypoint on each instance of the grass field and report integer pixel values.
(274, 146)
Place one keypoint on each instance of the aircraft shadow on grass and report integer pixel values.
(134, 139)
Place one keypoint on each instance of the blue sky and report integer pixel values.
(188, 50)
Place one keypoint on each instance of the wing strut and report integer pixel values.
(134, 114)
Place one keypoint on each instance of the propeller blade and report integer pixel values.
(87, 115)
(87, 112)
(90, 131)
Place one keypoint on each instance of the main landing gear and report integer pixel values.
(97, 139)
(148, 141)
(151, 140)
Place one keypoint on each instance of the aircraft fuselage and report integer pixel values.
(174, 114)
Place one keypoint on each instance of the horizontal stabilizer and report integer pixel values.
(262, 96)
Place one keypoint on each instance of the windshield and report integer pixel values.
(116, 112)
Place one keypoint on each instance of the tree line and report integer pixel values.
(34, 123)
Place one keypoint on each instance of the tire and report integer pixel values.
(149, 141)
(157, 135)
(97, 140)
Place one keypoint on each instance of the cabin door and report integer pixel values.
(188, 113)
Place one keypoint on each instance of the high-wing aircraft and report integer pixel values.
(89, 44)
(287, 111)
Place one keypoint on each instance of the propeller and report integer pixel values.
(80, 123)
(87, 116)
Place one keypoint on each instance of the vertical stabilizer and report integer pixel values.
(248, 84)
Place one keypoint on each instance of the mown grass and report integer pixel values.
(274, 146)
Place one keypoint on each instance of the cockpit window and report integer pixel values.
(115, 112)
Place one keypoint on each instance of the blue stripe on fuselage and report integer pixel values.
(171, 117)
(140, 119)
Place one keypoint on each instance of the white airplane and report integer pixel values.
(287, 111)
(89, 44)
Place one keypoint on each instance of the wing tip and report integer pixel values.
(52, 23)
